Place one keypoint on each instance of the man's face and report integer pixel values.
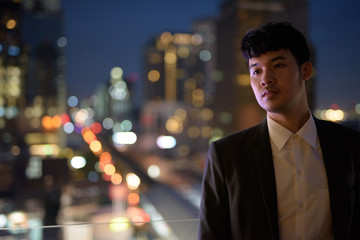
(278, 82)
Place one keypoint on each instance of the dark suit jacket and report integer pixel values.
(239, 192)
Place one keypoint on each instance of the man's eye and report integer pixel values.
(279, 65)
(255, 72)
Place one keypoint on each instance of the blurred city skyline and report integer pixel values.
(116, 33)
(108, 152)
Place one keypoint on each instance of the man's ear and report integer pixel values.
(306, 70)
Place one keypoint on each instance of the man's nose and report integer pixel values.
(267, 78)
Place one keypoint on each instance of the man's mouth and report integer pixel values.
(269, 93)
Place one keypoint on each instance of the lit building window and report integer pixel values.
(116, 73)
(193, 132)
(196, 39)
(183, 52)
(170, 57)
(154, 75)
(13, 51)
(205, 55)
(11, 24)
(61, 42)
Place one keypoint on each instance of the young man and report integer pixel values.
(292, 176)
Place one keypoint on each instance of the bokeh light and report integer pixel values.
(88, 135)
(170, 58)
(108, 123)
(109, 169)
(173, 125)
(126, 126)
(166, 37)
(61, 42)
(15, 150)
(124, 138)
(334, 115)
(133, 199)
(119, 224)
(166, 142)
(44, 150)
(96, 147)
(154, 75)
(96, 128)
(132, 181)
(183, 52)
(81, 116)
(69, 127)
(357, 108)
(11, 24)
(3, 220)
(205, 55)
(153, 171)
(116, 179)
(193, 131)
(78, 162)
(116, 73)
(181, 113)
(207, 114)
(73, 101)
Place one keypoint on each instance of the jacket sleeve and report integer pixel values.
(214, 208)
(355, 225)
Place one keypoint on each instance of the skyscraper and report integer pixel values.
(179, 88)
(32, 85)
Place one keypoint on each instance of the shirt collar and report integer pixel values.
(280, 135)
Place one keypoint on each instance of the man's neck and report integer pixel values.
(293, 122)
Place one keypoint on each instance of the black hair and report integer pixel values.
(274, 36)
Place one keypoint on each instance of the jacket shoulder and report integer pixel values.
(337, 128)
(242, 138)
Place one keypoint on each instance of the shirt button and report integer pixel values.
(300, 205)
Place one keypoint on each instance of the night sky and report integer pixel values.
(103, 34)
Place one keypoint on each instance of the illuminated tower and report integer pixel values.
(179, 86)
(235, 105)
(12, 67)
(12, 63)
(44, 81)
(32, 84)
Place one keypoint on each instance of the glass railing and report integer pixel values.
(158, 211)
(119, 228)
(160, 215)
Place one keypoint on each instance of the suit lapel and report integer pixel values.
(336, 175)
(266, 175)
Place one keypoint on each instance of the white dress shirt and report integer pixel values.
(301, 183)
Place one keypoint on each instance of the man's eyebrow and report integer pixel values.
(272, 60)
(252, 65)
(277, 58)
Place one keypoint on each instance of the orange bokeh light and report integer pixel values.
(51, 123)
(116, 178)
(46, 122)
(56, 121)
(105, 157)
(109, 169)
(89, 136)
(96, 147)
(133, 199)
